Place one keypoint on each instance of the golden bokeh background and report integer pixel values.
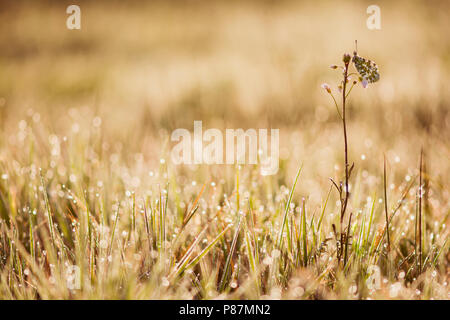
(85, 123)
(148, 68)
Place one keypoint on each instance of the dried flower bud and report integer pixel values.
(333, 66)
(346, 58)
(326, 87)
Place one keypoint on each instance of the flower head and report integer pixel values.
(346, 58)
(364, 83)
(326, 87)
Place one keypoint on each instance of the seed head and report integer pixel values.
(346, 58)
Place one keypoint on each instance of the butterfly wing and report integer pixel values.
(366, 69)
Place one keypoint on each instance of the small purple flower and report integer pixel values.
(364, 83)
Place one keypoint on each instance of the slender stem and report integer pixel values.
(346, 239)
(337, 107)
(350, 90)
(386, 207)
(344, 96)
(347, 194)
(420, 211)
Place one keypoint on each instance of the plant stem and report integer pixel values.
(420, 212)
(345, 200)
(386, 207)
(337, 108)
(345, 142)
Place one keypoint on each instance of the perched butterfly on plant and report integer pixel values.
(367, 69)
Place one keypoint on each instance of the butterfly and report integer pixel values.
(367, 69)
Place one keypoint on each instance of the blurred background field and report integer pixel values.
(148, 66)
(99, 104)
